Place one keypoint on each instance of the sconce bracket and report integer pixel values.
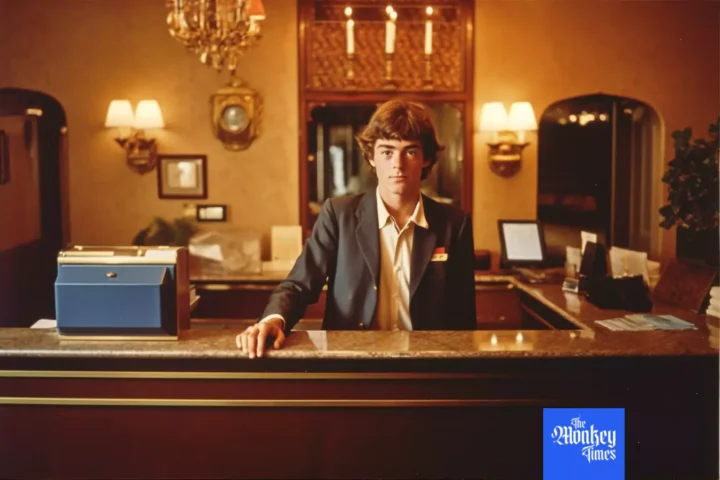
(140, 152)
(505, 158)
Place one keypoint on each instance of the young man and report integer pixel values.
(393, 258)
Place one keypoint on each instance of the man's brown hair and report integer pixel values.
(401, 120)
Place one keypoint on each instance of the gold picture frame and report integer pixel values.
(182, 176)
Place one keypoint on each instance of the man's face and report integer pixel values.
(399, 165)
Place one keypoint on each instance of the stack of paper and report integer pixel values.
(641, 322)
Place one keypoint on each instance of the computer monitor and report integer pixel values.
(522, 243)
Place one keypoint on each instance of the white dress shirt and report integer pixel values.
(396, 244)
(393, 307)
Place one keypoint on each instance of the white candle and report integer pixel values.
(428, 37)
(428, 31)
(390, 33)
(350, 36)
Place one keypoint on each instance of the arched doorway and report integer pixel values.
(597, 156)
(33, 203)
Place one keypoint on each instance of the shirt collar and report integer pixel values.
(417, 217)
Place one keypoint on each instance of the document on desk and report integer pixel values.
(643, 322)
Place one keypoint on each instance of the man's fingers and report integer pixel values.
(262, 338)
(242, 340)
(279, 338)
(251, 341)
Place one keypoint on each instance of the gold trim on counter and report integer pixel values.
(304, 403)
(248, 375)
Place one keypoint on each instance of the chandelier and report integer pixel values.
(218, 31)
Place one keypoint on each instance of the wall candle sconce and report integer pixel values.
(508, 131)
(427, 79)
(350, 51)
(140, 150)
(390, 29)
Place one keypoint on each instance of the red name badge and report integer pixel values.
(439, 255)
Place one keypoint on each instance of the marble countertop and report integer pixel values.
(217, 339)
(219, 342)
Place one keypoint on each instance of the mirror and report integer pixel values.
(595, 173)
(337, 167)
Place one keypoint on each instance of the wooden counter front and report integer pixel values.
(355, 404)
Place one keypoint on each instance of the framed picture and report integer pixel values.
(4, 158)
(182, 176)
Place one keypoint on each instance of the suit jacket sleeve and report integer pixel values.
(317, 261)
(463, 314)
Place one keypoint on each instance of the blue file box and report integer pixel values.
(126, 294)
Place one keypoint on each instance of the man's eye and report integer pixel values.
(387, 152)
(412, 153)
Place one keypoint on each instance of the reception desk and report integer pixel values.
(355, 404)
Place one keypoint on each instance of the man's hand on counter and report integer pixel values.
(253, 340)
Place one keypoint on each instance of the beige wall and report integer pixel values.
(664, 53)
(87, 52)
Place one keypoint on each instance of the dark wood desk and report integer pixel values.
(498, 303)
(353, 404)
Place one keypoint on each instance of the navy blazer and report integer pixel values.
(344, 250)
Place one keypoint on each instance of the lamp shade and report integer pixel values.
(148, 115)
(493, 117)
(522, 117)
(256, 10)
(119, 114)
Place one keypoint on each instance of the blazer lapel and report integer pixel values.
(367, 234)
(424, 241)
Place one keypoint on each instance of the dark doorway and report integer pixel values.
(33, 204)
(596, 155)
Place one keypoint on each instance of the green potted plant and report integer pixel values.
(692, 178)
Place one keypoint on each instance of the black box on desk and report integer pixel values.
(122, 292)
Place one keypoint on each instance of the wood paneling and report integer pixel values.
(493, 431)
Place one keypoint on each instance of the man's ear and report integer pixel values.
(371, 162)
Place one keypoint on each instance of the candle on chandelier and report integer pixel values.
(350, 31)
(390, 30)
(428, 31)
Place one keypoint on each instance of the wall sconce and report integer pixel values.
(140, 151)
(508, 134)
